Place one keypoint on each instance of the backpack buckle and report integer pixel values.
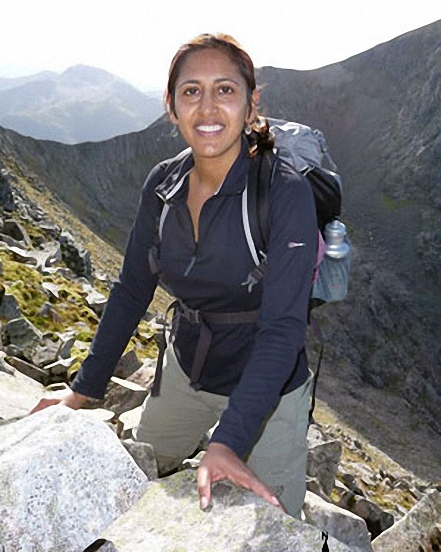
(192, 315)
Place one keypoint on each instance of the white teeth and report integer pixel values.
(209, 128)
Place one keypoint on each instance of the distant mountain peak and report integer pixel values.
(87, 73)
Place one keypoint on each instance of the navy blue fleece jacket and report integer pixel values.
(251, 363)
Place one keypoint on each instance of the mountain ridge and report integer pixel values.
(81, 104)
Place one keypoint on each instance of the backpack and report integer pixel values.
(306, 151)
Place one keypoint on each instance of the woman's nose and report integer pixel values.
(208, 102)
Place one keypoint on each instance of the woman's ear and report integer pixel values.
(170, 112)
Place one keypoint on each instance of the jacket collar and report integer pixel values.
(178, 168)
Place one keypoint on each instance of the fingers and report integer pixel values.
(44, 403)
(261, 489)
(204, 487)
(245, 477)
(66, 397)
(220, 463)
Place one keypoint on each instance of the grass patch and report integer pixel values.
(392, 204)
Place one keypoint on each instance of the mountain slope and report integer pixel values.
(82, 104)
(379, 111)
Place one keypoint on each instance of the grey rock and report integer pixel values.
(18, 394)
(51, 289)
(16, 231)
(57, 386)
(127, 365)
(50, 229)
(168, 518)
(341, 524)
(377, 520)
(144, 456)
(48, 311)
(100, 414)
(6, 197)
(313, 485)
(127, 421)
(60, 367)
(45, 352)
(75, 257)
(419, 530)
(96, 301)
(29, 370)
(144, 375)
(71, 472)
(21, 333)
(67, 342)
(4, 366)
(10, 242)
(41, 259)
(349, 480)
(123, 395)
(9, 308)
(23, 339)
(324, 455)
(11, 350)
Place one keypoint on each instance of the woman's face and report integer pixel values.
(211, 105)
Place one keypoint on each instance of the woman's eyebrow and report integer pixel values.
(218, 80)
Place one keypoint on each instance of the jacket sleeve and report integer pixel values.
(129, 298)
(283, 314)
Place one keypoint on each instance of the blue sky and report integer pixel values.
(136, 39)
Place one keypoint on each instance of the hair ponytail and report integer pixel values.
(260, 139)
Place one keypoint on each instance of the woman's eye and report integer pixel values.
(226, 89)
(190, 91)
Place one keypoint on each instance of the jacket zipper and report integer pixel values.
(193, 259)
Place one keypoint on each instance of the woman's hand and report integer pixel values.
(219, 463)
(67, 397)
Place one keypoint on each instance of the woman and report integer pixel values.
(249, 371)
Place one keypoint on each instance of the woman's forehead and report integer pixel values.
(209, 63)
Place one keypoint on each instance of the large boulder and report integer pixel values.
(377, 520)
(64, 478)
(168, 517)
(419, 530)
(324, 455)
(341, 524)
(18, 392)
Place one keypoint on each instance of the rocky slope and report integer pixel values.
(379, 111)
(81, 104)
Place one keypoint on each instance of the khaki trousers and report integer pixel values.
(175, 422)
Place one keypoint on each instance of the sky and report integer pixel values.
(136, 39)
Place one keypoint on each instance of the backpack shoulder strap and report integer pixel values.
(255, 204)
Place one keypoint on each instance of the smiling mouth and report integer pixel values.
(209, 129)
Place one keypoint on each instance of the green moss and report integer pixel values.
(392, 204)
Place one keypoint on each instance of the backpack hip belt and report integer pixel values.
(204, 319)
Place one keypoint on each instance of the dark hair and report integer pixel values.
(259, 138)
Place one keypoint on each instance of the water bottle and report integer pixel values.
(336, 245)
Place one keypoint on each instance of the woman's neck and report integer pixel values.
(210, 172)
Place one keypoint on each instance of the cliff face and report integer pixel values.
(380, 112)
